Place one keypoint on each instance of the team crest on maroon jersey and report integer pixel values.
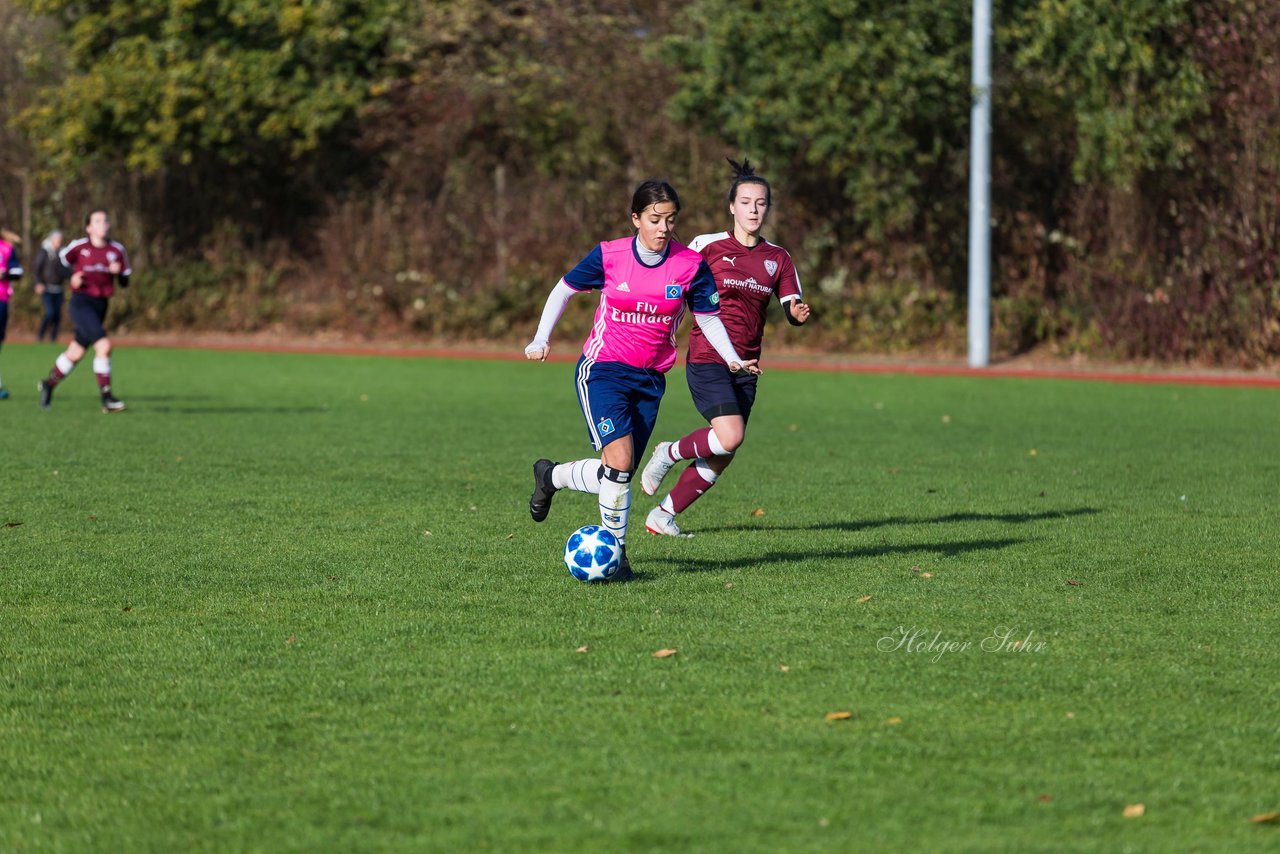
(771, 265)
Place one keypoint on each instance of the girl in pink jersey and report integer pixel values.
(749, 272)
(10, 271)
(645, 284)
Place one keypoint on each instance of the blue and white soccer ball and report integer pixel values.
(592, 554)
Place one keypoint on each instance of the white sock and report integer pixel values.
(65, 365)
(101, 365)
(579, 475)
(615, 503)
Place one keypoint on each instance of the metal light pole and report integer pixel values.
(980, 190)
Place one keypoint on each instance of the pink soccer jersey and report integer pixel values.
(81, 256)
(640, 306)
(10, 268)
(747, 279)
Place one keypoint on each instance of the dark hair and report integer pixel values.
(746, 174)
(651, 192)
(89, 215)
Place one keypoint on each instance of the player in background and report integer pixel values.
(49, 275)
(749, 271)
(10, 272)
(97, 265)
(645, 282)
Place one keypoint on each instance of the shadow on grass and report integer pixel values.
(865, 524)
(238, 410)
(770, 558)
(170, 397)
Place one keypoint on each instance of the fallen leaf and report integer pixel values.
(894, 721)
(1042, 493)
(759, 511)
(1073, 582)
(1071, 715)
(93, 518)
(1265, 817)
(426, 533)
(915, 568)
(792, 427)
(862, 599)
(926, 575)
(14, 524)
(127, 608)
(839, 716)
(511, 536)
(822, 822)
(1044, 799)
(728, 585)
(177, 459)
(665, 653)
(473, 507)
(1135, 810)
(1031, 453)
(946, 419)
(784, 668)
(291, 640)
(582, 648)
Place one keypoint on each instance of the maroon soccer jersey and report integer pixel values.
(746, 279)
(81, 256)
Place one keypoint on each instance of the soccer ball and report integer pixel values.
(592, 554)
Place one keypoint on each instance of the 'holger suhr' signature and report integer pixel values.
(1002, 639)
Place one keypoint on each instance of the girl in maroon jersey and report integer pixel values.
(97, 265)
(749, 272)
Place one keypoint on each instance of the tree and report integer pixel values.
(155, 84)
(872, 99)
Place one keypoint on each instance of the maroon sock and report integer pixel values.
(689, 488)
(104, 383)
(696, 444)
(55, 376)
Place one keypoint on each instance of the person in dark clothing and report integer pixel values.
(50, 276)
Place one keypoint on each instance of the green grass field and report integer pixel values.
(296, 602)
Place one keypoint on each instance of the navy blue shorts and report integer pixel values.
(618, 400)
(4, 317)
(87, 314)
(717, 391)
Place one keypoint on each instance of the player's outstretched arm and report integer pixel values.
(718, 337)
(540, 347)
(797, 312)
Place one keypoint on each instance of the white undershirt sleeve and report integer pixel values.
(556, 302)
(718, 337)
